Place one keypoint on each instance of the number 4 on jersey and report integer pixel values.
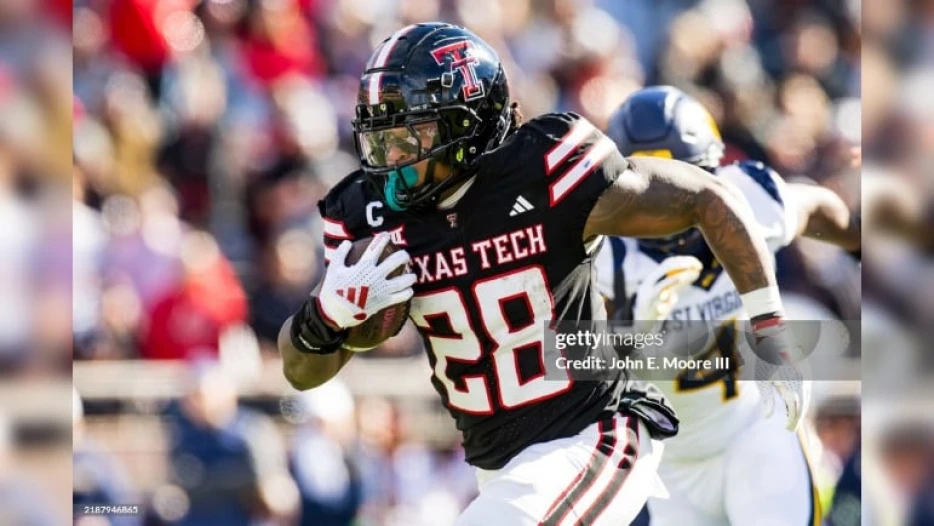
(724, 344)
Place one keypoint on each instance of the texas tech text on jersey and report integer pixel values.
(497, 251)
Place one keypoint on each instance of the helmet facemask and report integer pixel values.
(390, 146)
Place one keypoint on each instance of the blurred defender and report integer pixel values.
(501, 222)
(729, 464)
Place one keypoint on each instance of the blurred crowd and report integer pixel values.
(35, 267)
(898, 138)
(35, 166)
(199, 135)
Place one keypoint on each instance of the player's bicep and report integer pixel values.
(652, 198)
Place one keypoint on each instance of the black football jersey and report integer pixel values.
(491, 269)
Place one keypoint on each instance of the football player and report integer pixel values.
(729, 464)
(498, 222)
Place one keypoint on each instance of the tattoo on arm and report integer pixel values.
(660, 197)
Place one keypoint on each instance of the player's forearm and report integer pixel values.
(728, 225)
(306, 371)
(823, 215)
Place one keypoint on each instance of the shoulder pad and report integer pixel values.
(554, 125)
(343, 207)
(524, 151)
(567, 136)
(767, 194)
(762, 174)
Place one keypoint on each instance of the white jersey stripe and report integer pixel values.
(582, 129)
(573, 177)
(335, 229)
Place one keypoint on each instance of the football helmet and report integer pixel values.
(433, 92)
(663, 121)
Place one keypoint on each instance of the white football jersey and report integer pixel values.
(711, 410)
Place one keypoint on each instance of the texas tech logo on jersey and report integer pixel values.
(462, 61)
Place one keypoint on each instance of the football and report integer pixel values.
(385, 323)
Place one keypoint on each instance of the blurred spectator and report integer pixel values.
(18, 242)
(137, 31)
(229, 462)
(898, 194)
(278, 41)
(907, 461)
(36, 268)
(189, 322)
(20, 503)
(837, 423)
(322, 458)
(403, 482)
(289, 269)
(837, 476)
(848, 506)
(98, 480)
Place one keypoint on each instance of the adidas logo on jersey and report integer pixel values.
(521, 205)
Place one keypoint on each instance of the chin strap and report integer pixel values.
(406, 179)
(406, 176)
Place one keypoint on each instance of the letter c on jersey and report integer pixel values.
(370, 218)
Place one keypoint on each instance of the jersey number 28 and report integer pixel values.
(447, 307)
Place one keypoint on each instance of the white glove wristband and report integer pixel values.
(763, 301)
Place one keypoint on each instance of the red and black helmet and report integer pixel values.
(438, 92)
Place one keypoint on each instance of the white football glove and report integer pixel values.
(351, 294)
(786, 380)
(657, 296)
